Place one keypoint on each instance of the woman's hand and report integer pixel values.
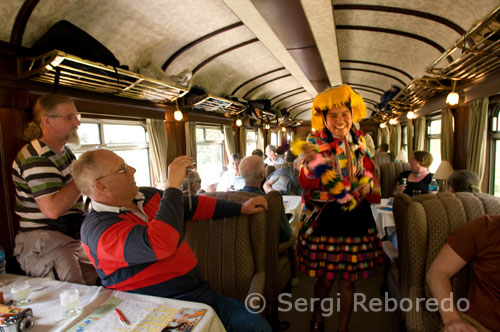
(309, 152)
(363, 189)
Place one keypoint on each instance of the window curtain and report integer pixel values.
(190, 130)
(379, 136)
(158, 143)
(477, 137)
(260, 139)
(243, 141)
(419, 134)
(409, 138)
(447, 135)
(229, 140)
(268, 139)
(395, 138)
(386, 136)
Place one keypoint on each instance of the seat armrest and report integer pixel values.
(283, 246)
(390, 251)
(258, 283)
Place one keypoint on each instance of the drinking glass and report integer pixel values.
(416, 192)
(20, 291)
(70, 299)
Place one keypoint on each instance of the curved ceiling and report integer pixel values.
(285, 51)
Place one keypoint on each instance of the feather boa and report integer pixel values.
(341, 187)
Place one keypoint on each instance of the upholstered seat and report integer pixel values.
(383, 158)
(388, 174)
(422, 224)
(231, 251)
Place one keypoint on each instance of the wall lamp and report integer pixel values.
(410, 115)
(393, 122)
(383, 125)
(178, 113)
(452, 98)
(239, 122)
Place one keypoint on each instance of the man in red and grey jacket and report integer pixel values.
(134, 236)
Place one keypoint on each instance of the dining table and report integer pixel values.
(97, 309)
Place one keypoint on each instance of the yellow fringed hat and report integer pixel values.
(335, 97)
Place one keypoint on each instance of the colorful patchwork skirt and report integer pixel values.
(341, 244)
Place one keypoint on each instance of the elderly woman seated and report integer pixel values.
(418, 178)
(463, 180)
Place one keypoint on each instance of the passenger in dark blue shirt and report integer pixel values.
(252, 170)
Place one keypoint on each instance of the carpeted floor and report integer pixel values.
(361, 321)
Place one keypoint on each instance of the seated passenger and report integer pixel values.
(462, 180)
(418, 177)
(286, 178)
(258, 152)
(231, 180)
(272, 156)
(477, 243)
(383, 148)
(134, 236)
(192, 184)
(252, 169)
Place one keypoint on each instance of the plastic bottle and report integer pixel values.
(2, 261)
(433, 187)
(2, 266)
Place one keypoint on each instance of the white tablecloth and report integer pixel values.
(383, 219)
(48, 313)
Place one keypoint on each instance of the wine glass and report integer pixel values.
(70, 299)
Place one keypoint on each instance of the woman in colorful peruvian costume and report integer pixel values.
(338, 237)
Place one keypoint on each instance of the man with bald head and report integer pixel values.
(252, 170)
(134, 236)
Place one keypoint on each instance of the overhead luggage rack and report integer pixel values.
(212, 103)
(59, 68)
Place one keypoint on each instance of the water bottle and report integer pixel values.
(2, 265)
(433, 187)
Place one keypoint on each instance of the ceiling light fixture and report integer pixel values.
(452, 98)
(393, 122)
(410, 115)
(239, 122)
(283, 129)
(383, 125)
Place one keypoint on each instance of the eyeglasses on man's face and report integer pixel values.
(69, 117)
(123, 169)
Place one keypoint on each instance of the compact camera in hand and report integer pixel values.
(14, 319)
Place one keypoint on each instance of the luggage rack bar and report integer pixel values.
(57, 67)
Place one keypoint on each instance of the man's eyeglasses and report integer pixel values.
(123, 169)
(69, 117)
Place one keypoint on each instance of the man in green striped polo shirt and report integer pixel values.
(48, 203)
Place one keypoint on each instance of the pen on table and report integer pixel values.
(122, 317)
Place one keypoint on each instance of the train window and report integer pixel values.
(209, 153)
(404, 135)
(108, 134)
(274, 139)
(495, 153)
(434, 142)
(251, 141)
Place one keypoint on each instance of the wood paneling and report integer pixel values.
(12, 118)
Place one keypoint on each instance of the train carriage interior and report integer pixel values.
(218, 77)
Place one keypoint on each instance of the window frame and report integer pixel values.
(87, 118)
(256, 141)
(201, 125)
(494, 139)
(430, 137)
